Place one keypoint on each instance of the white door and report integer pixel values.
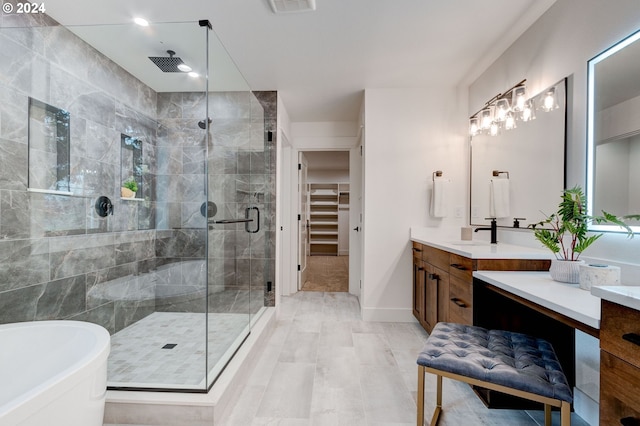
(355, 220)
(303, 220)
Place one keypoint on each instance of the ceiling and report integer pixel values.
(320, 62)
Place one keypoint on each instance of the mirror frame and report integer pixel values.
(591, 148)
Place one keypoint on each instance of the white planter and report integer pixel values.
(566, 271)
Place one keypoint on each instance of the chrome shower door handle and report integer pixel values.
(247, 213)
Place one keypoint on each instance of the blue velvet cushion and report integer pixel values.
(505, 358)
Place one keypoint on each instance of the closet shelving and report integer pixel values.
(323, 219)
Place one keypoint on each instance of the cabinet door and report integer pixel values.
(419, 274)
(433, 277)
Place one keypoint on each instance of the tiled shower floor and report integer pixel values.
(139, 358)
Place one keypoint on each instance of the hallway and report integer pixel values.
(327, 273)
(325, 366)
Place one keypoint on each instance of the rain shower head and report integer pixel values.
(202, 124)
(169, 63)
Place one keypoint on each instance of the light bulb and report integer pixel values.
(518, 98)
(486, 119)
(502, 108)
(493, 128)
(510, 121)
(473, 126)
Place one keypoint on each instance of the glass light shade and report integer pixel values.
(510, 121)
(474, 126)
(493, 128)
(502, 108)
(549, 101)
(486, 118)
(518, 98)
(528, 112)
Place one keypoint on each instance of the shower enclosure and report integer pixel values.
(178, 265)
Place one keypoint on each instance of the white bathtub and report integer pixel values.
(53, 373)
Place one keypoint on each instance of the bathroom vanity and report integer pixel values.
(443, 274)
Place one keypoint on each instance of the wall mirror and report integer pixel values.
(613, 132)
(531, 156)
(49, 148)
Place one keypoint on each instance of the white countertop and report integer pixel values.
(625, 295)
(477, 249)
(538, 287)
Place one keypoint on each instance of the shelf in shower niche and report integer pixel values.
(49, 191)
(132, 199)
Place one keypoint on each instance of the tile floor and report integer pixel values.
(324, 366)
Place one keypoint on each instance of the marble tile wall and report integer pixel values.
(54, 248)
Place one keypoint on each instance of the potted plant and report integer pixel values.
(569, 234)
(129, 188)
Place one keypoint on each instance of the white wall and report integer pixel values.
(409, 133)
(328, 176)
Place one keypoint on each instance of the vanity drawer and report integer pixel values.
(436, 257)
(620, 332)
(461, 267)
(417, 250)
(460, 301)
(619, 400)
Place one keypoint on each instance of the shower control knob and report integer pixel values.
(104, 206)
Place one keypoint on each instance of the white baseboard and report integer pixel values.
(388, 315)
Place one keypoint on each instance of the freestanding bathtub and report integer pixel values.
(53, 373)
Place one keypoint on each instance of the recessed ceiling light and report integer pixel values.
(141, 21)
(194, 74)
(184, 67)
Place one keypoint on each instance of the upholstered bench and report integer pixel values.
(505, 361)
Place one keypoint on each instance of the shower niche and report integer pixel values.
(131, 168)
(49, 148)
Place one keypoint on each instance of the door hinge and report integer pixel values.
(299, 166)
(299, 268)
(360, 150)
(299, 217)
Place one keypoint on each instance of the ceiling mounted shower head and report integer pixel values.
(169, 63)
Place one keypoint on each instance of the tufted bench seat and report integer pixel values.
(505, 361)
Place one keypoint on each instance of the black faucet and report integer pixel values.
(493, 229)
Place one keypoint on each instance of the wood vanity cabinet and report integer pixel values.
(619, 365)
(443, 283)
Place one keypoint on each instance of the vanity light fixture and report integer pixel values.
(499, 113)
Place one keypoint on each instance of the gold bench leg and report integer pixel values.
(420, 400)
(547, 415)
(565, 414)
(436, 412)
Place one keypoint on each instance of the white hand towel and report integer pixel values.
(499, 198)
(439, 198)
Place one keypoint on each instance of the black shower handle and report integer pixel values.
(247, 213)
